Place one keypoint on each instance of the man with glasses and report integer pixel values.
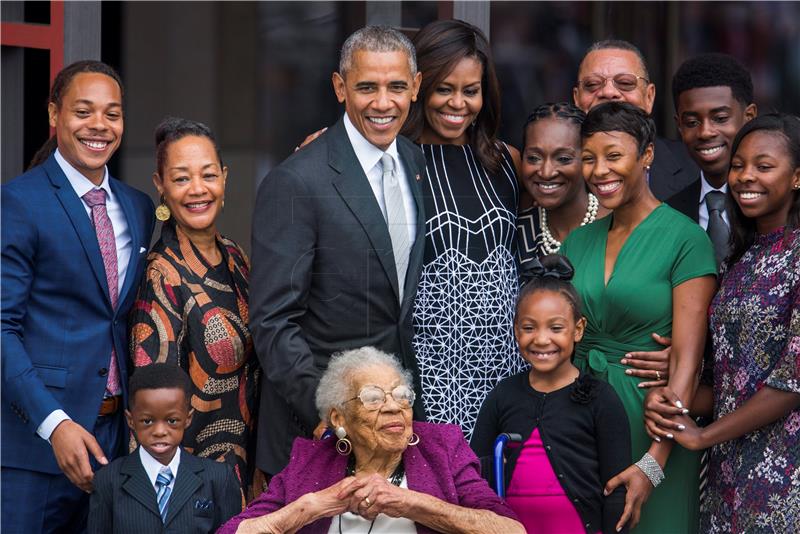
(616, 70)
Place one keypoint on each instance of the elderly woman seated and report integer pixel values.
(383, 473)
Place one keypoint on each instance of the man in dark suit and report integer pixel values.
(161, 488)
(74, 241)
(713, 96)
(616, 70)
(338, 238)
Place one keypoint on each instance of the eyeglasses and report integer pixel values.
(373, 397)
(624, 82)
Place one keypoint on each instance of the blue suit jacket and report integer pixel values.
(58, 325)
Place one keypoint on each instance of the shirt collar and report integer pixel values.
(368, 154)
(153, 466)
(706, 188)
(79, 182)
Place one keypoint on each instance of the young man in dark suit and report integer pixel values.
(160, 488)
(338, 236)
(713, 96)
(616, 70)
(74, 241)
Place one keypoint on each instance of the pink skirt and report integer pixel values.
(536, 495)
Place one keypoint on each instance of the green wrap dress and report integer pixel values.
(663, 251)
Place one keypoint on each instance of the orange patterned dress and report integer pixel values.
(195, 315)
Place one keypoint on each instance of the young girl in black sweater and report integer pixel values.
(574, 427)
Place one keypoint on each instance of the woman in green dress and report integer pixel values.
(645, 268)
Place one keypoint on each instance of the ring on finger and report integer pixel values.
(658, 375)
(366, 500)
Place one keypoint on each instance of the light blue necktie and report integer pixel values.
(163, 491)
(396, 220)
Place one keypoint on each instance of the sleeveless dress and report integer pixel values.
(665, 250)
(464, 307)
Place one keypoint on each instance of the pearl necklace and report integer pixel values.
(549, 243)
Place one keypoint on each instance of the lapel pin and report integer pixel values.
(418, 178)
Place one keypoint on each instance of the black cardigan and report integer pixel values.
(585, 432)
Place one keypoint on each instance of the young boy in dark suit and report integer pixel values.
(160, 488)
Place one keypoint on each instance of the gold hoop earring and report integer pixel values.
(162, 211)
(343, 445)
(413, 439)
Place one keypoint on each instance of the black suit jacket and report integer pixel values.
(205, 495)
(672, 168)
(323, 280)
(687, 201)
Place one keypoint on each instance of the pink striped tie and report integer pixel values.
(96, 199)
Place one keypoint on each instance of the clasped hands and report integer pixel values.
(364, 495)
(666, 417)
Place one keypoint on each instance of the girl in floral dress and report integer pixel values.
(754, 472)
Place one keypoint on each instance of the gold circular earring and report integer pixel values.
(162, 211)
(343, 445)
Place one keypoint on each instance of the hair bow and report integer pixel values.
(557, 267)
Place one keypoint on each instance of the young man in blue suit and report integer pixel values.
(74, 241)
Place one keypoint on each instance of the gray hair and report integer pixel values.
(335, 385)
(376, 39)
(619, 44)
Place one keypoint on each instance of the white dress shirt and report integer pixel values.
(705, 188)
(369, 156)
(153, 466)
(122, 236)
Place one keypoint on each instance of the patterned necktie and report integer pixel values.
(163, 491)
(96, 199)
(718, 229)
(396, 220)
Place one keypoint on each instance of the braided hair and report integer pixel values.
(553, 110)
(60, 86)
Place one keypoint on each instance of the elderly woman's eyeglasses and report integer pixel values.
(624, 82)
(373, 397)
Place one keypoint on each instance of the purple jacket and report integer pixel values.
(441, 465)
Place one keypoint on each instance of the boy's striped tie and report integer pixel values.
(163, 490)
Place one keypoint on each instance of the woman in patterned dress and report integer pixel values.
(191, 309)
(464, 306)
(754, 471)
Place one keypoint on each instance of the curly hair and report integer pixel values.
(713, 70)
(336, 386)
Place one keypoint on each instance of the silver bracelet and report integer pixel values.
(651, 469)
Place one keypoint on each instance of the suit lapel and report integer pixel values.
(186, 484)
(133, 228)
(76, 212)
(668, 166)
(353, 186)
(137, 485)
(413, 174)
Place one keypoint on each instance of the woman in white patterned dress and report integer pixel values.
(464, 307)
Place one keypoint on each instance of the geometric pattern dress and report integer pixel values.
(195, 315)
(465, 301)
